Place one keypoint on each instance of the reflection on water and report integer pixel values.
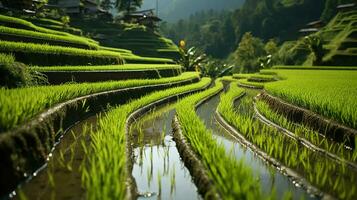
(268, 176)
(158, 170)
(61, 179)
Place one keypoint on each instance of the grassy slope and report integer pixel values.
(25, 30)
(331, 93)
(136, 38)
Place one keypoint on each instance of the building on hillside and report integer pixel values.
(312, 27)
(346, 7)
(316, 24)
(144, 17)
(104, 14)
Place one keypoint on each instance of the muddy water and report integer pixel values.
(158, 170)
(269, 177)
(61, 178)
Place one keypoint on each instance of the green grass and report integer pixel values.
(40, 54)
(125, 67)
(19, 105)
(320, 171)
(47, 38)
(234, 179)
(6, 59)
(105, 175)
(329, 93)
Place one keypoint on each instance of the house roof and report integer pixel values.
(308, 30)
(143, 11)
(349, 5)
(315, 23)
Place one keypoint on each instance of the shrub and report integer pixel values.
(15, 74)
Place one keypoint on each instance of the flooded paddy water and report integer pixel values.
(60, 178)
(158, 170)
(269, 176)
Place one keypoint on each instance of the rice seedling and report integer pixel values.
(159, 177)
(23, 24)
(233, 178)
(19, 105)
(35, 54)
(106, 170)
(46, 38)
(249, 83)
(305, 132)
(318, 170)
(330, 93)
(125, 67)
(173, 179)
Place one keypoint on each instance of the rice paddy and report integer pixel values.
(176, 136)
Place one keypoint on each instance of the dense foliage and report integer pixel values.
(222, 33)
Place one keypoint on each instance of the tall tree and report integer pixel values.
(249, 50)
(127, 5)
(106, 4)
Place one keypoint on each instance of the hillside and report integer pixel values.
(340, 39)
(173, 10)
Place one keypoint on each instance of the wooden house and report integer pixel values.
(144, 17)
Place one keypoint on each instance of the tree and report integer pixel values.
(17, 4)
(271, 47)
(106, 4)
(315, 45)
(329, 10)
(192, 59)
(249, 50)
(128, 5)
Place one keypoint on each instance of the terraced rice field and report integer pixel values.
(219, 156)
(278, 134)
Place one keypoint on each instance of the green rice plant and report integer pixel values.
(145, 60)
(318, 170)
(241, 76)
(293, 67)
(125, 67)
(159, 177)
(305, 132)
(233, 179)
(45, 38)
(23, 24)
(19, 105)
(249, 83)
(107, 173)
(42, 54)
(330, 93)
(115, 49)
